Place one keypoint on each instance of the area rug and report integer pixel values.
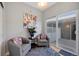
(65, 53)
(42, 51)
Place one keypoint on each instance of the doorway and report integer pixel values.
(51, 30)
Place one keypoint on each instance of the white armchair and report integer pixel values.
(42, 40)
(19, 50)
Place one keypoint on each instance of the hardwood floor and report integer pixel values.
(55, 48)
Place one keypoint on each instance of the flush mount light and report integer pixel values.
(42, 4)
(67, 26)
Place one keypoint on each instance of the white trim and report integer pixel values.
(45, 27)
(57, 31)
(77, 30)
(52, 19)
(62, 16)
(66, 17)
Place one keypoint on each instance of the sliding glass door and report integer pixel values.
(62, 31)
(67, 26)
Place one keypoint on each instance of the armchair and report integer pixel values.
(42, 40)
(19, 48)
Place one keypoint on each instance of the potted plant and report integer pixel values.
(32, 31)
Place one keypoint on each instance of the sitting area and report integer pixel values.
(20, 46)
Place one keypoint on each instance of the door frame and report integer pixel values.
(50, 20)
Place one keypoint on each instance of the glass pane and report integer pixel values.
(67, 29)
(51, 31)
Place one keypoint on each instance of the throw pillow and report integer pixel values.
(17, 41)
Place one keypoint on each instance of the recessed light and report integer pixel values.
(43, 4)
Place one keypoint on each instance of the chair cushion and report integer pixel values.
(42, 40)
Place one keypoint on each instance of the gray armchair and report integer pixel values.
(19, 50)
(42, 40)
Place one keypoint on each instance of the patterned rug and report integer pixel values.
(42, 51)
(65, 53)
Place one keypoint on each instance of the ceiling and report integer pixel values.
(35, 5)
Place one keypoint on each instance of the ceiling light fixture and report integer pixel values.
(42, 4)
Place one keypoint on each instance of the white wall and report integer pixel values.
(1, 37)
(14, 17)
(14, 12)
(60, 7)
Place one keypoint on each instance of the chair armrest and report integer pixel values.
(14, 49)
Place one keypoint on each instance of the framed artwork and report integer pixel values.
(29, 20)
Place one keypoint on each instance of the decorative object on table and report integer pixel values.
(31, 31)
(29, 22)
(29, 19)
